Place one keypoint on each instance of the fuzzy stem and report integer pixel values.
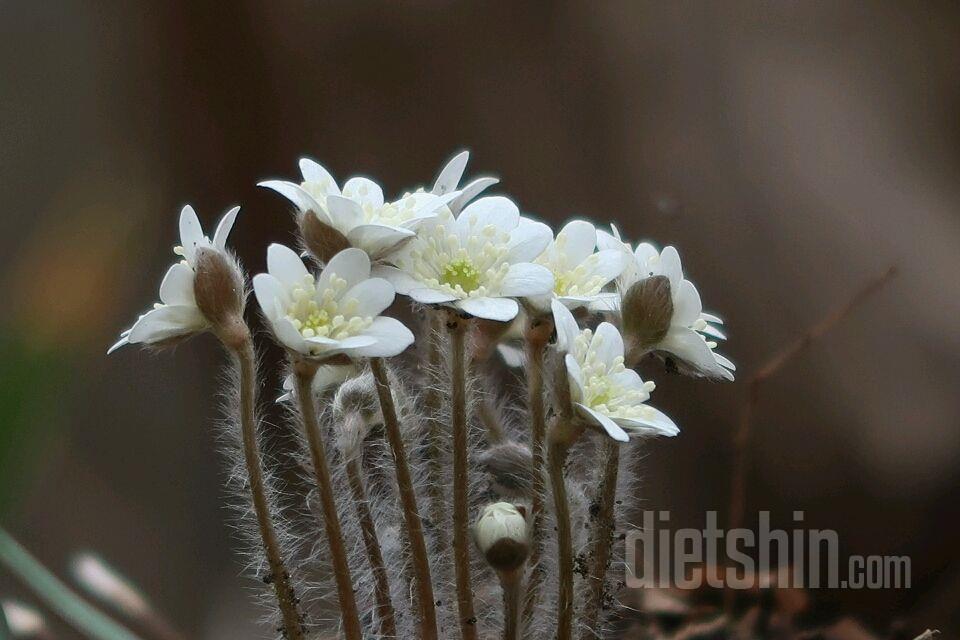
(244, 353)
(408, 500)
(305, 373)
(510, 583)
(438, 501)
(557, 456)
(368, 530)
(56, 595)
(461, 510)
(536, 335)
(601, 538)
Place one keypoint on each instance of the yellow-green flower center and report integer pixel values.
(461, 273)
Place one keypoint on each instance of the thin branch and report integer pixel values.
(556, 458)
(408, 500)
(601, 539)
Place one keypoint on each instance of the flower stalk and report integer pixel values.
(601, 539)
(561, 437)
(408, 501)
(457, 327)
(305, 370)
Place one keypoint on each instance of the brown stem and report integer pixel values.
(305, 372)
(371, 543)
(741, 438)
(432, 400)
(556, 457)
(457, 327)
(601, 538)
(408, 500)
(536, 336)
(510, 583)
(243, 351)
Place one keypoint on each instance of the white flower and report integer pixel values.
(687, 336)
(359, 211)
(337, 312)
(449, 179)
(177, 313)
(326, 376)
(579, 273)
(602, 389)
(499, 521)
(477, 262)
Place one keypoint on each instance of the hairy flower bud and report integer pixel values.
(218, 288)
(508, 464)
(647, 309)
(501, 535)
(320, 239)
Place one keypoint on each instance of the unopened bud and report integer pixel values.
(501, 535)
(647, 310)
(358, 411)
(508, 464)
(218, 288)
(320, 239)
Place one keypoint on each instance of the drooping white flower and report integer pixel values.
(337, 312)
(691, 334)
(478, 262)
(602, 389)
(448, 181)
(359, 210)
(579, 272)
(177, 314)
(326, 376)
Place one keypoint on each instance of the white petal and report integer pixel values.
(512, 356)
(499, 211)
(378, 240)
(607, 343)
(177, 286)
(578, 238)
(269, 292)
(608, 264)
(402, 281)
(451, 173)
(528, 240)
(298, 196)
(122, 342)
(713, 331)
(353, 265)
(686, 305)
(469, 192)
(574, 377)
(656, 422)
(709, 317)
(285, 265)
(526, 279)
(670, 264)
(567, 328)
(191, 233)
(373, 296)
(166, 322)
(224, 228)
(689, 346)
(608, 241)
(392, 337)
(313, 172)
(365, 191)
(344, 212)
(629, 379)
(425, 295)
(609, 426)
(499, 309)
(605, 303)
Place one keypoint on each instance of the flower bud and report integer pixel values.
(501, 535)
(508, 465)
(647, 310)
(320, 239)
(218, 288)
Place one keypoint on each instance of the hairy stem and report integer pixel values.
(601, 539)
(461, 510)
(559, 446)
(510, 583)
(438, 501)
(408, 500)
(371, 543)
(305, 373)
(536, 335)
(286, 598)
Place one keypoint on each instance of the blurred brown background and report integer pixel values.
(791, 150)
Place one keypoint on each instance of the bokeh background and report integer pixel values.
(791, 150)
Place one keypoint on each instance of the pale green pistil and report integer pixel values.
(461, 273)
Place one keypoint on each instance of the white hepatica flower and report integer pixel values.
(326, 376)
(602, 389)
(177, 314)
(687, 336)
(580, 273)
(336, 313)
(359, 211)
(477, 262)
(449, 179)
